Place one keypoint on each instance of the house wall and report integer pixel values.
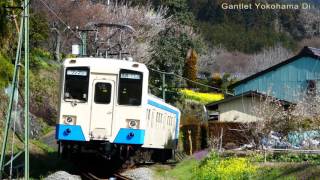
(238, 110)
(287, 82)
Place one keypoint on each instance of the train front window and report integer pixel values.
(76, 84)
(130, 88)
(102, 93)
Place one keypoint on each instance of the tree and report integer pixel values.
(146, 21)
(39, 29)
(267, 58)
(216, 80)
(168, 54)
(190, 68)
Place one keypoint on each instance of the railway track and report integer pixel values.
(93, 167)
(90, 167)
(115, 176)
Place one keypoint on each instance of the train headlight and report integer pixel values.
(133, 123)
(70, 119)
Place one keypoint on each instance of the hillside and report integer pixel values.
(230, 43)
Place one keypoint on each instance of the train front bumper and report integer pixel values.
(130, 136)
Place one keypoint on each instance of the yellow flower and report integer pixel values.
(202, 97)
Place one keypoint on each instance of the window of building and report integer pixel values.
(311, 87)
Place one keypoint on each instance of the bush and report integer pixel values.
(6, 71)
(202, 97)
(214, 167)
(39, 59)
(294, 157)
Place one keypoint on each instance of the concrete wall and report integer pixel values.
(239, 110)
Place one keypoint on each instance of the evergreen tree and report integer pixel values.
(190, 68)
(179, 9)
(169, 52)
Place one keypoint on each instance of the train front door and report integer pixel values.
(102, 109)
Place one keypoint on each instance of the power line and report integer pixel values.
(195, 82)
(58, 17)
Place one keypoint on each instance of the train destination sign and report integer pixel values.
(130, 76)
(77, 72)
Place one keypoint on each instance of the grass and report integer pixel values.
(288, 171)
(264, 171)
(43, 146)
(44, 160)
(181, 171)
(204, 98)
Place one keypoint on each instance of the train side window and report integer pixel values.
(173, 121)
(152, 119)
(147, 114)
(148, 117)
(102, 94)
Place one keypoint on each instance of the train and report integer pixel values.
(105, 107)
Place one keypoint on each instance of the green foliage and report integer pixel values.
(39, 59)
(179, 9)
(247, 31)
(8, 31)
(285, 157)
(236, 37)
(182, 171)
(3, 19)
(169, 51)
(44, 90)
(293, 157)
(222, 82)
(39, 29)
(214, 167)
(43, 146)
(6, 71)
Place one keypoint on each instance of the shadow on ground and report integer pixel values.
(41, 165)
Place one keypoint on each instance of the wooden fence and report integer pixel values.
(229, 135)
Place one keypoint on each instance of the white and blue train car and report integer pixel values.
(105, 106)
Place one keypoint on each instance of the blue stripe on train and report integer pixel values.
(69, 132)
(130, 136)
(166, 108)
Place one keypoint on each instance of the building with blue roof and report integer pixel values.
(289, 80)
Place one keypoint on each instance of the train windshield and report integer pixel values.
(130, 88)
(76, 84)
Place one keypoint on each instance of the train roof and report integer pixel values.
(161, 101)
(104, 64)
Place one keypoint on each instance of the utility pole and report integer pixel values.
(26, 89)
(83, 35)
(164, 87)
(23, 34)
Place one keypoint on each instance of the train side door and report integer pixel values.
(102, 109)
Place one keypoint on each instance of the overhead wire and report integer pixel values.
(181, 77)
(195, 82)
(59, 18)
